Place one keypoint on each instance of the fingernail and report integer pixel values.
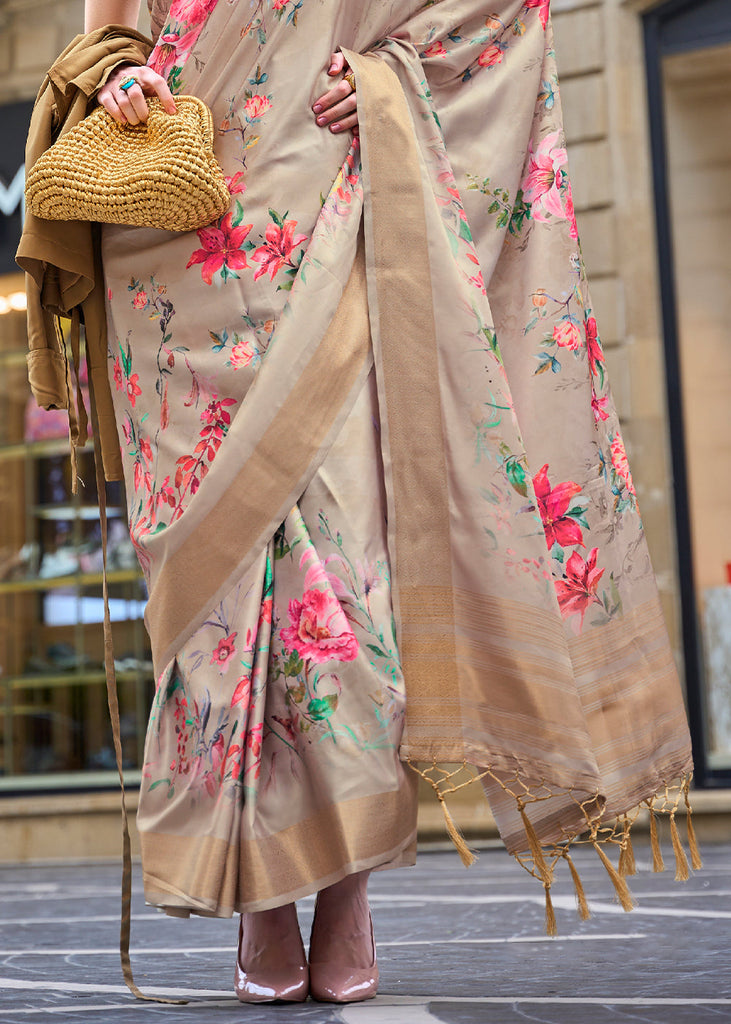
(336, 127)
(317, 108)
(322, 120)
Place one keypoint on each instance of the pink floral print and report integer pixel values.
(222, 249)
(276, 252)
(560, 521)
(319, 631)
(225, 650)
(577, 592)
(544, 178)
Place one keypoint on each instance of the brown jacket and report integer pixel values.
(62, 258)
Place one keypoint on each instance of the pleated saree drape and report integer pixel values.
(376, 477)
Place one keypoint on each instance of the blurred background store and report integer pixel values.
(646, 88)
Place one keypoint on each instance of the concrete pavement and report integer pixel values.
(456, 946)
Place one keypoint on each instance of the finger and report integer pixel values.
(138, 103)
(132, 103)
(112, 107)
(335, 95)
(337, 64)
(153, 84)
(345, 124)
(341, 110)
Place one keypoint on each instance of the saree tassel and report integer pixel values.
(658, 864)
(627, 863)
(682, 872)
(467, 856)
(620, 886)
(535, 848)
(551, 926)
(695, 853)
(581, 899)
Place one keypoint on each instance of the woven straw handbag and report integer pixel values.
(160, 174)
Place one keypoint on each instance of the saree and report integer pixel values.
(376, 479)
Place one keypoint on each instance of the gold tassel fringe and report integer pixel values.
(581, 900)
(551, 926)
(658, 864)
(682, 873)
(627, 863)
(540, 861)
(695, 853)
(467, 856)
(620, 886)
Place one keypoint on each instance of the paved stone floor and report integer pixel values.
(454, 946)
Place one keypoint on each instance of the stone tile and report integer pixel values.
(454, 946)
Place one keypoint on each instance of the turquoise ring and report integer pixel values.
(128, 83)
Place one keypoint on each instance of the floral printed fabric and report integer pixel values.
(288, 702)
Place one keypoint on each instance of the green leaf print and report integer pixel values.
(293, 665)
(321, 708)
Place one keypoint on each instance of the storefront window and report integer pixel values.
(54, 729)
(689, 63)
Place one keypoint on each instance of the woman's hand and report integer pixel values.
(129, 106)
(337, 109)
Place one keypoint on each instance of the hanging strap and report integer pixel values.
(113, 702)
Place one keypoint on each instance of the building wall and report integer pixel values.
(599, 48)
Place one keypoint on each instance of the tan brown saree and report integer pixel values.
(376, 477)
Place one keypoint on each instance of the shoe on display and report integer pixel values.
(62, 562)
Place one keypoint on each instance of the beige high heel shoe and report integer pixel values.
(339, 983)
(288, 984)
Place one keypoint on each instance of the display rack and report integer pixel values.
(53, 712)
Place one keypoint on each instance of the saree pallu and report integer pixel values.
(376, 478)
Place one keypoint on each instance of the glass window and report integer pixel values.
(697, 90)
(54, 725)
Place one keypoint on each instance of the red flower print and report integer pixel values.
(242, 353)
(254, 740)
(543, 5)
(569, 208)
(236, 183)
(215, 413)
(276, 251)
(567, 334)
(492, 56)
(593, 345)
(578, 590)
(133, 388)
(118, 376)
(140, 300)
(319, 630)
(221, 248)
(242, 691)
(172, 48)
(192, 10)
(599, 406)
(255, 107)
(544, 178)
(553, 504)
(265, 615)
(434, 50)
(224, 651)
(620, 462)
